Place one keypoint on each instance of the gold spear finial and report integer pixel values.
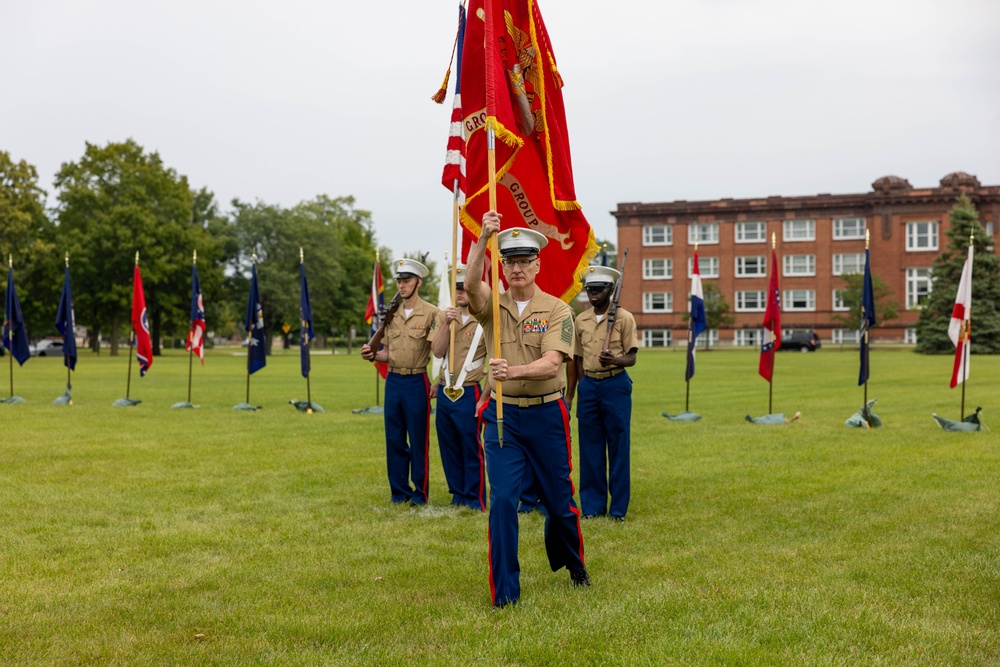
(971, 235)
(194, 256)
(254, 256)
(868, 237)
(302, 256)
(67, 259)
(774, 240)
(10, 261)
(137, 258)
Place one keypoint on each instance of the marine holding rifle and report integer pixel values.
(406, 332)
(536, 337)
(606, 344)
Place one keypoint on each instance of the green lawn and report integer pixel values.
(151, 536)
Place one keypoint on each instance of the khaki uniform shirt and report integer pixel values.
(590, 336)
(409, 338)
(546, 324)
(463, 341)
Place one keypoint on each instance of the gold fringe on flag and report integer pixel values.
(443, 90)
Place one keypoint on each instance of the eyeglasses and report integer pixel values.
(520, 263)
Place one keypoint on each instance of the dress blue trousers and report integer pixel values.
(536, 438)
(604, 414)
(461, 452)
(407, 415)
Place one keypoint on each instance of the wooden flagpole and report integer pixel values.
(454, 280)
(490, 45)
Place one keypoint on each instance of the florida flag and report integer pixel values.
(771, 334)
(697, 322)
(961, 319)
(196, 334)
(140, 324)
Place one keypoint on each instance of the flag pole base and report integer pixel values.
(372, 410)
(13, 400)
(126, 402)
(183, 404)
(308, 407)
(65, 399)
(685, 416)
(246, 406)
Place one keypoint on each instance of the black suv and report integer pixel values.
(804, 341)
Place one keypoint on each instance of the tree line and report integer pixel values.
(118, 199)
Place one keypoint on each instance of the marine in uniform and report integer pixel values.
(407, 411)
(604, 391)
(536, 337)
(457, 395)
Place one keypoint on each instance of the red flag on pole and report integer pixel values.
(961, 320)
(374, 310)
(520, 97)
(771, 334)
(140, 323)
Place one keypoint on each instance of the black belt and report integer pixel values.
(407, 371)
(604, 375)
(528, 401)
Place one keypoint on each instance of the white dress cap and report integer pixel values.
(412, 267)
(601, 275)
(520, 241)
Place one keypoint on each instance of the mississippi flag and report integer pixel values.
(374, 310)
(867, 318)
(196, 334)
(771, 334)
(140, 324)
(697, 322)
(961, 320)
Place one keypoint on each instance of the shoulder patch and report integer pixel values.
(567, 330)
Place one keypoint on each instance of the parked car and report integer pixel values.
(46, 348)
(804, 341)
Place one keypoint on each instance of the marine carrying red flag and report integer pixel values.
(534, 171)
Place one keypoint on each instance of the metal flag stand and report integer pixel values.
(128, 402)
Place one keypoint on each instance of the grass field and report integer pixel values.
(151, 536)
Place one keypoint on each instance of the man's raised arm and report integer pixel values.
(477, 289)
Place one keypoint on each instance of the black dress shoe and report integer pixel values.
(579, 577)
(619, 519)
(500, 605)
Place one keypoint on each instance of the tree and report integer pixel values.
(608, 249)
(932, 327)
(717, 309)
(885, 308)
(27, 237)
(115, 201)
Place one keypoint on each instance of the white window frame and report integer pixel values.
(747, 338)
(650, 232)
(657, 337)
(649, 273)
(650, 299)
(743, 234)
(703, 233)
(791, 296)
(840, 336)
(799, 265)
(708, 267)
(910, 335)
(760, 301)
(915, 279)
(919, 239)
(839, 268)
(793, 231)
(742, 265)
(838, 300)
(842, 231)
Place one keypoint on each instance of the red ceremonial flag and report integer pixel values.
(771, 334)
(510, 82)
(961, 320)
(373, 312)
(140, 323)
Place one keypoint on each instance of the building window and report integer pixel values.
(750, 301)
(922, 236)
(799, 230)
(848, 228)
(658, 269)
(657, 302)
(658, 235)
(845, 336)
(838, 300)
(712, 335)
(753, 266)
(747, 338)
(848, 263)
(707, 266)
(656, 337)
(800, 265)
(799, 299)
(989, 228)
(910, 335)
(918, 288)
(703, 233)
(751, 232)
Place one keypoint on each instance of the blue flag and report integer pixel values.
(254, 326)
(867, 317)
(306, 332)
(15, 336)
(66, 323)
(697, 322)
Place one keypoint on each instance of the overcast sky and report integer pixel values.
(665, 99)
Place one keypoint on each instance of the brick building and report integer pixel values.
(820, 239)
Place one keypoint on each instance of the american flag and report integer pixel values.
(454, 163)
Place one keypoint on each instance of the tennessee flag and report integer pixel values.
(140, 323)
(961, 319)
(771, 334)
(510, 82)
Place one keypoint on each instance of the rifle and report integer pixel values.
(616, 294)
(386, 318)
